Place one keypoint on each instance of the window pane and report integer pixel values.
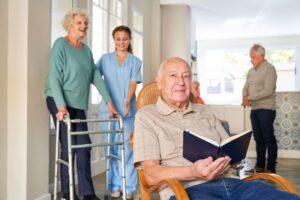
(99, 43)
(101, 3)
(113, 7)
(137, 45)
(59, 8)
(223, 73)
(138, 22)
(119, 9)
(99, 32)
(284, 62)
(114, 22)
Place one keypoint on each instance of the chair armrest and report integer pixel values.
(281, 182)
(175, 186)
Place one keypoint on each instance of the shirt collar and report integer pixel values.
(261, 65)
(165, 109)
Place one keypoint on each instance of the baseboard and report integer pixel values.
(44, 197)
(294, 154)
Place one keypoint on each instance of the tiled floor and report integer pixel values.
(288, 168)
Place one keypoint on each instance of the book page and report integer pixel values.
(234, 137)
(205, 139)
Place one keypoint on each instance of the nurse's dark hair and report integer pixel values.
(126, 30)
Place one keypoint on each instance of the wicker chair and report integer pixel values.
(149, 95)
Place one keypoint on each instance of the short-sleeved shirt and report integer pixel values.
(158, 134)
(117, 79)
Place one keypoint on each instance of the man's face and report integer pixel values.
(256, 59)
(175, 82)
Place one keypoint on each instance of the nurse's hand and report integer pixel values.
(127, 108)
(111, 109)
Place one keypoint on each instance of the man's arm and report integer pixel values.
(245, 88)
(246, 101)
(205, 169)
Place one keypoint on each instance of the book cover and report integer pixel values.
(197, 147)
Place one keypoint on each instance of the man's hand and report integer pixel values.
(246, 102)
(205, 169)
(208, 169)
(111, 109)
(62, 111)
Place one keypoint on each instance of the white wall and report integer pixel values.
(3, 96)
(176, 31)
(27, 127)
(37, 114)
(17, 100)
(152, 34)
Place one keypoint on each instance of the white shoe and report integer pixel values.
(115, 194)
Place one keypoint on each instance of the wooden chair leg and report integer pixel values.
(144, 195)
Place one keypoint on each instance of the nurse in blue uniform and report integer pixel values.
(122, 72)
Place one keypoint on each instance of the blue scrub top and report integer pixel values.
(117, 79)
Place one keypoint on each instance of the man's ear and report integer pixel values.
(158, 81)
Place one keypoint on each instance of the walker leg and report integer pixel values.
(123, 159)
(71, 185)
(56, 160)
(107, 159)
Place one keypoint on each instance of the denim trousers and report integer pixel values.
(263, 131)
(235, 189)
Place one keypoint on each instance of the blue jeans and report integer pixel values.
(263, 131)
(235, 189)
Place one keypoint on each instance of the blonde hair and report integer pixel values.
(69, 17)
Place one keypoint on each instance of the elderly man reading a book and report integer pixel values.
(158, 146)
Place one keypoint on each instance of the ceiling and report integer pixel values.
(217, 19)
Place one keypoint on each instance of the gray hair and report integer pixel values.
(259, 49)
(69, 17)
(172, 59)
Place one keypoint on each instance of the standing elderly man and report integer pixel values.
(259, 93)
(158, 144)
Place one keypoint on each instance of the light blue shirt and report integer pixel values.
(117, 79)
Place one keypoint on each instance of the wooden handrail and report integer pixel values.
(175, 186)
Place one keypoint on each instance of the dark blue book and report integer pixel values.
(197, 147)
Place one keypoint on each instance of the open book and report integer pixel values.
(197, 147)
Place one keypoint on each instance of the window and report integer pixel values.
(223, 73)
(106, 15)
(137, 39)
(58, 11)
(137, 34)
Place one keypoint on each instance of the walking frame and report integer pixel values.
(108, 144)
